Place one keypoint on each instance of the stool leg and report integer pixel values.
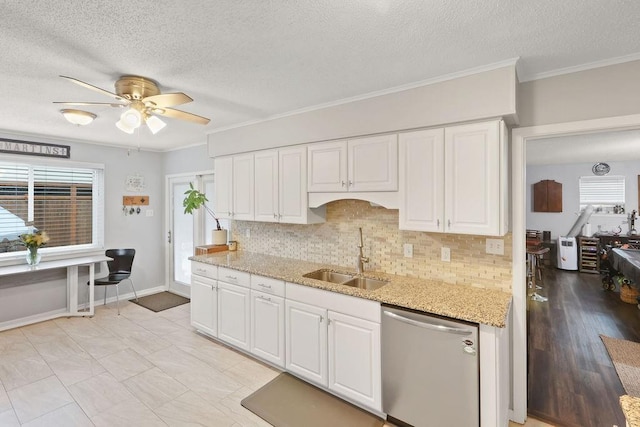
(118, 299)
(105, 294)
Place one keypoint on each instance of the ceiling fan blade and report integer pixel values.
(90, 103)
(167, 99)
(97, 89)
(182, 115)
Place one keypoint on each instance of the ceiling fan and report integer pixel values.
(144, 101)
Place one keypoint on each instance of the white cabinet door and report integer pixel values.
(306, 341)
(473, 178)
(327, 164)
(204, 304)
(266, 185)
(234, 307)
(373, 163)
(422, 180)
(267, 327)
(354, 359)
(243, 187)
(293, 201)
(223, 184)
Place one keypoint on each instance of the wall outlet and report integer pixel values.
(445, 254)
(495, 246)
(408, 250)
(149, 212)
(247, 232)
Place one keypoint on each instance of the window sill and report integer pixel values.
(19, 257)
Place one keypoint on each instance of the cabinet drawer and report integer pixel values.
(206, 270)
(234, 277)
(268, 285)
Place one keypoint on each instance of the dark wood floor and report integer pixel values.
(572, 381)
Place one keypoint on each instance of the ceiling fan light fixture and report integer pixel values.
(131, 118)
(123, 127)
(154, 124)
(78, 117)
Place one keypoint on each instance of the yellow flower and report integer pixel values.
(34, 240)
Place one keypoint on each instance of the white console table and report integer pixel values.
(71, 264)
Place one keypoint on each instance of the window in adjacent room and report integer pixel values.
(605, 193)
(65, 201)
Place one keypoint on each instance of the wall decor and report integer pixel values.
(547, 196)
(134, 183)
(29, 148)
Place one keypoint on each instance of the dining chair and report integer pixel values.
(119, 270)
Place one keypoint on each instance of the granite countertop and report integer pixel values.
(487, 306)
(631, 409)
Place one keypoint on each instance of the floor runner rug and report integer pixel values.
(625, 356)
(287, 401)
(161, 301)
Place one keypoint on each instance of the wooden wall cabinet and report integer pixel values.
(547, 196)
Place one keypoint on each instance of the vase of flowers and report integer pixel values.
(33, 241)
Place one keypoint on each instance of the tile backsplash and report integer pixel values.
(335, 242)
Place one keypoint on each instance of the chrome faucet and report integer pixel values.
(361, 258)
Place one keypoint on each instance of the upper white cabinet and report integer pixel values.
(281, 187)
(364, 164)
(468, 194)
(233, 198)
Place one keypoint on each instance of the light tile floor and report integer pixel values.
(137, 369)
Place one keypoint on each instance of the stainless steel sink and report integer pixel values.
(328, 276)
(346, 279)
(365, 283)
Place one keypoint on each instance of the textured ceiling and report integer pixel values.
(243, 61)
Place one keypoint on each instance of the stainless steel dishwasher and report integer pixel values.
(430, 370)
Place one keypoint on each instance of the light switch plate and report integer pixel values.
(408, 250)
(445, 254)
(495, 246)
(149, 212)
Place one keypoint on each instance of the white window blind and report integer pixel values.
(603, 192)
(65, 202)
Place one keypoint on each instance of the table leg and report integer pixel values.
(92, 289)
(72, 290)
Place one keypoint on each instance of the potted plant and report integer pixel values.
(195, 199)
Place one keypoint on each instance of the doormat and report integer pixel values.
(160, 301)
(287, 401)
(625, 356)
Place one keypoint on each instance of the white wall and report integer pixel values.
(18, 299)
(569, 174)
(192, 159)
(478, 96)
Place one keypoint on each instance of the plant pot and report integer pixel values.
(219, 237)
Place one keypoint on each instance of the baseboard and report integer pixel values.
(124, 297)
(36, 318)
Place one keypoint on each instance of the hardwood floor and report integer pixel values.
(571, 380)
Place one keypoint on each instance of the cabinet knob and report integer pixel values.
(321, 319)
(438, 223)
(275, 215)
(343, 183)
(350, 183)
(449, 223)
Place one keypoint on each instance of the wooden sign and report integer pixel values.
(29, 148)
(135, 200)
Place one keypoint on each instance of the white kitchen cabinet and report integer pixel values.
(306, 341)
(281, 187)
(468, 194)
(204, 298)
(354, 359)
(234, 310)
(422, 180)
(243, 187)
(358, 165)
(267, 327)
(233, 196)
(223, 185)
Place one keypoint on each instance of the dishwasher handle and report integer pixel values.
(430, 326)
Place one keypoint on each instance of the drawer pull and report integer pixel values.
(264, 298)
(264, 286)
(232, 277)
(201, 270)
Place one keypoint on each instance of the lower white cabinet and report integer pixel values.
(204, 299)
(354, 359)
(233, 315)
(333, 349)
(267, 327)
(306, 341)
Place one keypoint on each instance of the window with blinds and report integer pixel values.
(63, 201)
(605, 193)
